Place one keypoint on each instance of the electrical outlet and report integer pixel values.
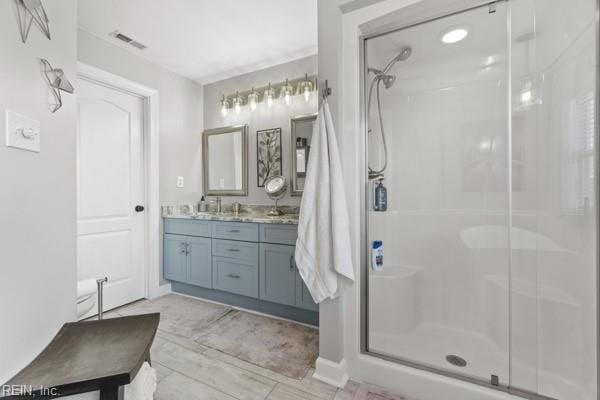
(180, 182)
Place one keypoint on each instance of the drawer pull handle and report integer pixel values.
(292, 263)
(233, 276)
(234, 231)
(234, 250)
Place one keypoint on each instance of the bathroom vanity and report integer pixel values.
(246, 262)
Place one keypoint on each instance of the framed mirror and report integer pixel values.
(301, 128)
(225, 160)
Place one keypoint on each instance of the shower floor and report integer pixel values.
(429, 344)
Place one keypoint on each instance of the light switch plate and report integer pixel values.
(22, 132)
(180, 181)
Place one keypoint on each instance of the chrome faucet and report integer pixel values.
(218, 203)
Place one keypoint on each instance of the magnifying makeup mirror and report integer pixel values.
(275, 188)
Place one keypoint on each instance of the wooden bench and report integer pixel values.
(87, 356)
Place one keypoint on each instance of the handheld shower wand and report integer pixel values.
(382, 76)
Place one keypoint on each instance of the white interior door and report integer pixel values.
(110, 232)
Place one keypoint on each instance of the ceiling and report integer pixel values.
(208, 40)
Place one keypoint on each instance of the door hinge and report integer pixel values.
(492, 8)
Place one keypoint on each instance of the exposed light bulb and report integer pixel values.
(286, 92)
(224, 106)
(305, 87)
(237, 103)
(269, 95)
(253, 100)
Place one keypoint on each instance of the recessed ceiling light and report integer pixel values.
(454, 35)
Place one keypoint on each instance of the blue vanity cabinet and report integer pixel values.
(303, 297)
(280, 281)
(175, 258)
(245, 264)
(277, 273)
(199, 261)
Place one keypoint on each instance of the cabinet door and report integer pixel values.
(175, 259)
(199, 261)
(303, 297)
(277, 273)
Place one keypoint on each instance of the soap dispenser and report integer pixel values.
(202, 205)
(380, 198)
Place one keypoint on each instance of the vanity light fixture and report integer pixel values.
(305, 87)
(286, 92)
(237, 103)
(224, 106)
(269, 95)
(455, 35)
(253, 99)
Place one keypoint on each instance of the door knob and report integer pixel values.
(139, 208)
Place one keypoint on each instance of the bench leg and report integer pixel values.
(112, 393)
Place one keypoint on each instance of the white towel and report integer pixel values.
(142, 387)
(323, 252)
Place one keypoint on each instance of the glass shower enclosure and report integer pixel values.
(481, 149)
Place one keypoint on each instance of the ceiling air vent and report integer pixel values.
(137, 45)
(127, 39)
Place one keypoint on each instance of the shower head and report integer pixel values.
(403, 55)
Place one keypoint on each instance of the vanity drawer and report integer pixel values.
(246, 231)
(279, 233)
(188, 227)
(235, 276)
(235, 249)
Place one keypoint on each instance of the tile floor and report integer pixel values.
(189, 370)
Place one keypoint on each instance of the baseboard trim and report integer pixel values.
(161, 291)
(335, 374)
(251, 303)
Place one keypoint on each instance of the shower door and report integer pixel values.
(439, 300)
(486, 135)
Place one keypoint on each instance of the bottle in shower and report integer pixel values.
(377, 256)
(380, 196)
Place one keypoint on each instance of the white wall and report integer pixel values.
(37, 195)
(262, 118)
(331, 337)
(181, 111)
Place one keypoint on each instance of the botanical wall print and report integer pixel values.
(268, 153)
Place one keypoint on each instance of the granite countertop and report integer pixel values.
(257, 214)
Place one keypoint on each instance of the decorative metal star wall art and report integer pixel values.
(58, 82)
(30, 12)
